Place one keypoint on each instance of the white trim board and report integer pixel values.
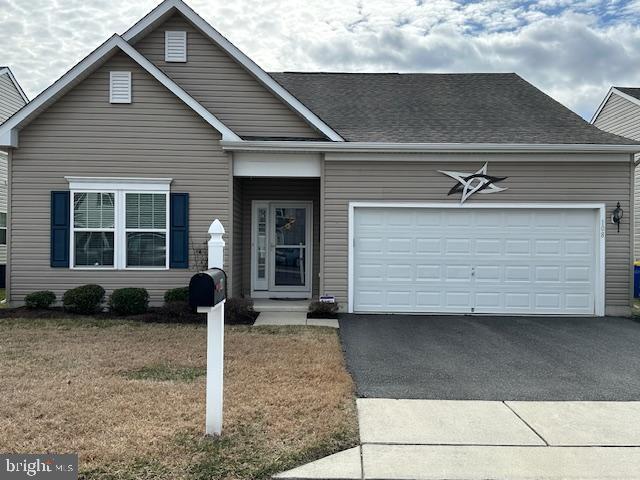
(611, 91)
(166, 8)
(9, 129)
(118, 183)
(8, 71)
(377, 147)
(600, 207)
(257, 164)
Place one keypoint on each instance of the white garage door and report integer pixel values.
(475, 260)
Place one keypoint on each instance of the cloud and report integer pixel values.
(573, 50)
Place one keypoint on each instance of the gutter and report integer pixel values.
(377, 147)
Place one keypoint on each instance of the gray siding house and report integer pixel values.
(619, 113)
(12, 99)
(466, 193)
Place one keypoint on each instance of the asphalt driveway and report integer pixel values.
(493, 358)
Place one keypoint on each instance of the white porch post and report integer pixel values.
(215, 339)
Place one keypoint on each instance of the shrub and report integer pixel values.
(239, 311)
(86, 299)
(41, 299)
(323, 309)
(129, 301)
(180, 311)
(177, 295)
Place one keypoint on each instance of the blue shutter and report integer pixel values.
(179, 231)
(60, 228)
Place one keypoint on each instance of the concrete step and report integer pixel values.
(269, 305)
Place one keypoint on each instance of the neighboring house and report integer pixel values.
(339, 184)
(619, 113)
(12, 99)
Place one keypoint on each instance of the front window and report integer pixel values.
(146, 226)
(120, 229)
(3, 228)
(94, 229)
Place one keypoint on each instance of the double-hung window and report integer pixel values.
(119, 223)
(94, 229)
(146, 229)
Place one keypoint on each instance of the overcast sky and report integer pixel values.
(573, 50)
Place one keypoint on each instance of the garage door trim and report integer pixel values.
(599, 207)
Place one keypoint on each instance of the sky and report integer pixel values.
(572, 50)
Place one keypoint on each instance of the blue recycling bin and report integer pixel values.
(636, 279)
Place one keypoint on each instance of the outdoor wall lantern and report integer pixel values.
(616, 216)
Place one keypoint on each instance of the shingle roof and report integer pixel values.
(632, 91)
(440, 108)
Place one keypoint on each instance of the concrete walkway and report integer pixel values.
(474, 440)
(292, 318)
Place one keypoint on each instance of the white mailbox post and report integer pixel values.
(215, 339)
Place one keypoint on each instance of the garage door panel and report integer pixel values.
(457, 246)
(428, 245)
(475, 260)
(548, 247)
(578, 247)
(486, 246)
(428, 273)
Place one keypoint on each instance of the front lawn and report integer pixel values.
(129, 398)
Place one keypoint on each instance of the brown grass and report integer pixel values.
(100, 389)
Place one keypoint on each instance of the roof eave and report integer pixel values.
(377, 147)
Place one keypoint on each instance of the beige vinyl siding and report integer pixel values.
(84, 135)
(222, 86)
(597, 182)
(274, 189)
(622, 117)
(10, 99)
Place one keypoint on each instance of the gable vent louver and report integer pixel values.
(120, 87)
(175, 46)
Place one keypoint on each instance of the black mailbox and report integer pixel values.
(208, 288)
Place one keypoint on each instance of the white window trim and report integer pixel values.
(111, 97)
(600, 208)
(182, 59)
(119, 187)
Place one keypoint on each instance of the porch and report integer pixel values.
(276, 240)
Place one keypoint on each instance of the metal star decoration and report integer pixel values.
(470, 183)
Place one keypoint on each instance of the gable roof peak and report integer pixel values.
(167, 8)
(9, 129)
(5, 70)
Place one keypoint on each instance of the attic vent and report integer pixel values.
(120, 87)
(175, 46)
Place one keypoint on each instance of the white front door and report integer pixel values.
(463, 260)
(281, 257)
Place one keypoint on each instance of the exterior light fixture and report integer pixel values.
(616, 216)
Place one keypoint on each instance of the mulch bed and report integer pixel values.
(154, 315)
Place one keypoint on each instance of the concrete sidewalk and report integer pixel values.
(450, 439)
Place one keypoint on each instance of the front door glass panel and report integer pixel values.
(290, 225)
